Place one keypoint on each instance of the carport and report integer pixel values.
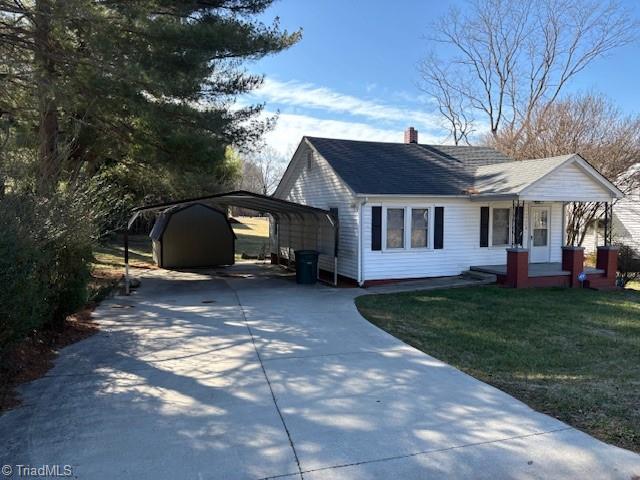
(293, 227)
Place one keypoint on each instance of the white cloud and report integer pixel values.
(290, 128)
(310, 96)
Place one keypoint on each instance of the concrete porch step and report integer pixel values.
(478, 275)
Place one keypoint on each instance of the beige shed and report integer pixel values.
(192, 236)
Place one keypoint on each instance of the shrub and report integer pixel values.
(628, 264)
(45, 255)
(23, 285)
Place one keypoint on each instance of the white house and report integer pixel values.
(625, 219)
(408, 210)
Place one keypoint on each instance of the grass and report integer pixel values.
(633, 285)
(574, 354)
(252, 237)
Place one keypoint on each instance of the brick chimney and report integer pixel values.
(410, 135)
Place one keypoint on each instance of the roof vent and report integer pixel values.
(410, 135)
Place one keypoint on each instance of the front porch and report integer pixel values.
(550, 269)
(571, 272)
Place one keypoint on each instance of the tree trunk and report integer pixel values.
(48, 160)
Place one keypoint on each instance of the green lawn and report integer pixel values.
(111, 253)
(252, 237)
(574, 354)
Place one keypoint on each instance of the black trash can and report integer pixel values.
(306, 266)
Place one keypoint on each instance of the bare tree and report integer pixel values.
(261, 171)
(451, 104)
(591, 126)
(508, 58)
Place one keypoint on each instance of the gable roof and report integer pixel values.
(516, 175)
(380, 168)
(404, 168)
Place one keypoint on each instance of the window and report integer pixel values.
(540, 228)
(395, 228)
(310, 162)
(419, 227)
(500, 226)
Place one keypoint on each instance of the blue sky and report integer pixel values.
(353, 74)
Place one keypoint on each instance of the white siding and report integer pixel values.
(461, 241)
(569, 183)
(626, 220)
(320, 187)
(625, 225)
(593, 238)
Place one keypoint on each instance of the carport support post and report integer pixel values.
(126, 262)
(336, 232)
(278, 226)
(289, 242)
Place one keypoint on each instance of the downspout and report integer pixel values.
(564, 224)
(361, 242)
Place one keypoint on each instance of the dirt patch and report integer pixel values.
(33, 357)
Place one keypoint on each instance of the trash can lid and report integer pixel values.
(306, 252)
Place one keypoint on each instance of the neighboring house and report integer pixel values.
(625, 221)
(408, 210)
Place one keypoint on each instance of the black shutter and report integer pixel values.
(376, 228)
(519, 225)
(484, 226)
(438, 234)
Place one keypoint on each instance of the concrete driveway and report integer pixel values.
(251, 376)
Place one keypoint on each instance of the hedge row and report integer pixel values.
(45, 255)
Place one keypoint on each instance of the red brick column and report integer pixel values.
(517, 267)
(607, 260)
(573, 261)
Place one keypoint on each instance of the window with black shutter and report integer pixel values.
(376, 228)
(484, 226)
(438, 228)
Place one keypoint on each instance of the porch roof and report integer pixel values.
(562, 178)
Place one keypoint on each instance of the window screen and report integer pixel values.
(500, 235)
(419, 227)
(395, 228)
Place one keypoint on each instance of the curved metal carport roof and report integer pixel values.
(253, 201)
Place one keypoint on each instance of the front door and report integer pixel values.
(539, 240)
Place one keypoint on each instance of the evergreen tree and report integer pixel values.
(89, 83)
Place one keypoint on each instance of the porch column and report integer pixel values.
(607, 260)
(517, 267)
(573, 261)
(517, 214)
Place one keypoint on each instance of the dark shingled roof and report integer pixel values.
(405, 169)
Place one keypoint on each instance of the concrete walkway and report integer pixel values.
(250, 376)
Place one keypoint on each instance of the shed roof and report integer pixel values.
(163, 219)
